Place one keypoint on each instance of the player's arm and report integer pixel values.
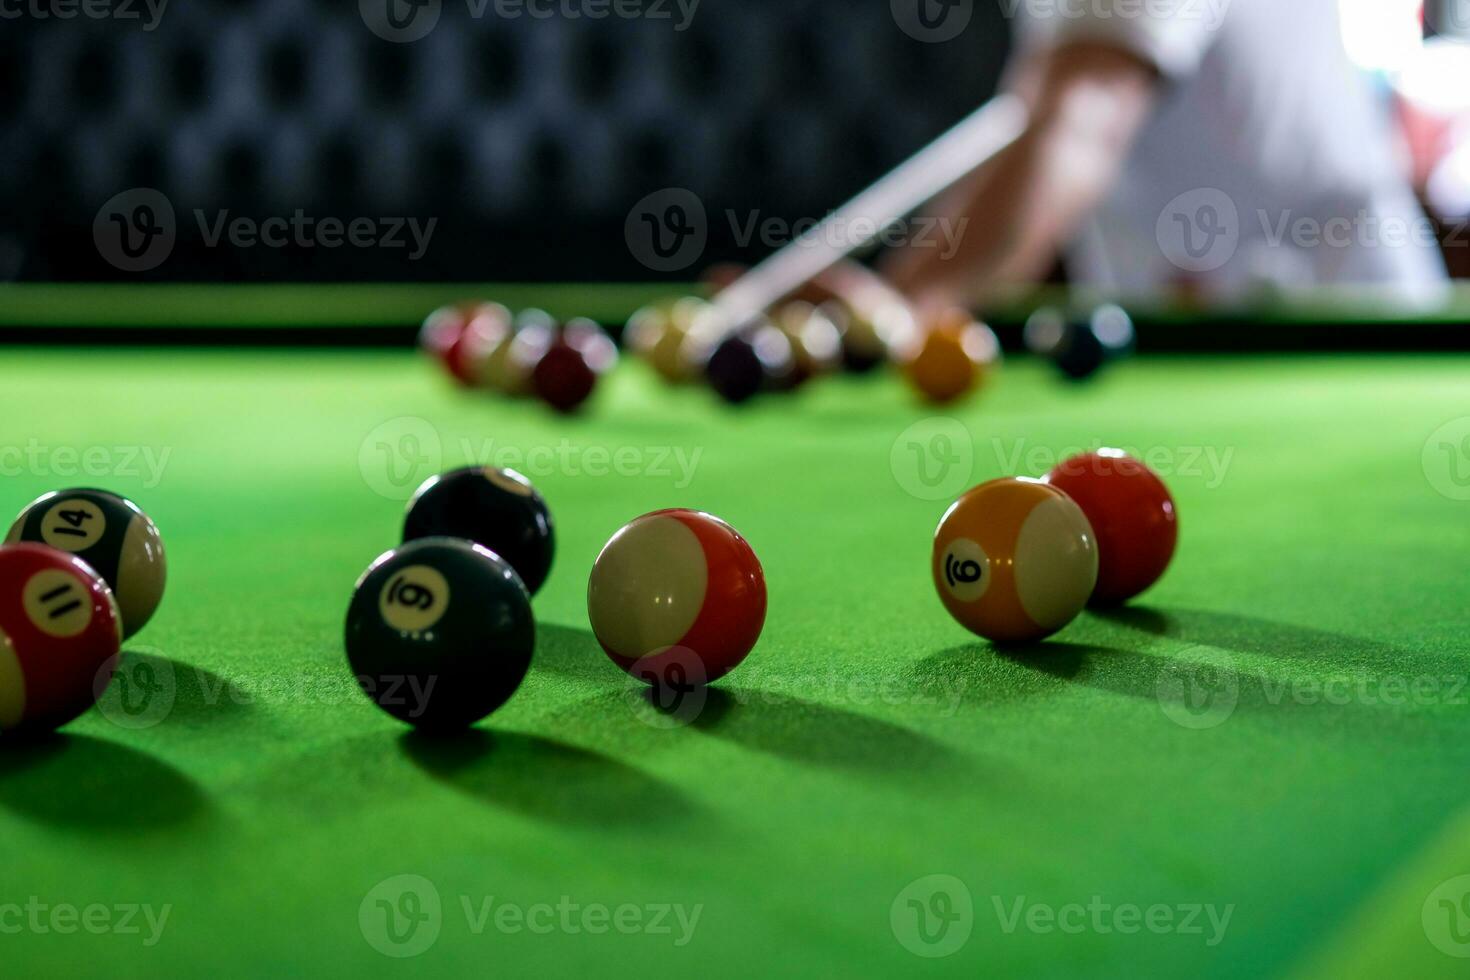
(1088, 101)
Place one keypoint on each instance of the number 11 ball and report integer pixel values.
(1014, 560)
(677, 592)
(59, 637)
(439, 633)
(1132, 514)
(109, 533)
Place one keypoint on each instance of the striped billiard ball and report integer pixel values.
(1014, 560)
(108, 532)
(677, 592)
(60, 633)
(439, 633)
(1132, 514)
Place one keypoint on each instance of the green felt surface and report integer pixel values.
(1178, 755)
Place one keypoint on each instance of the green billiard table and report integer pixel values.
(1257, 769)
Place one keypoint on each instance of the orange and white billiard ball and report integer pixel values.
(677, 596)
(1132, 514)
(952, 356)
(1014, 560)
(60, 633)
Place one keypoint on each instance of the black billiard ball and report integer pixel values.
(756, 357)
(111, 534)
(497, 508)
(440, 633)
(566, 374)
(1081, 346)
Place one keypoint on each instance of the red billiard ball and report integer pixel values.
(677, 595)
(566, 374)
(1131, 513)
(61, 636)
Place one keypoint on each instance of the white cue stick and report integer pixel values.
(962, 149)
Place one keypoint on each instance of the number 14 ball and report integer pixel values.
(1014, 560)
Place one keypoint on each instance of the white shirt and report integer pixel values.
(1270, 161)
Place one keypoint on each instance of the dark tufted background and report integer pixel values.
(529, 139)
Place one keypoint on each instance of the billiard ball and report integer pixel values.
(111, 534)
(507, 366)
(1132, 514)
(567, 371)
(442, 328)
(667, 345)
(816, 344)
(61, 636)
(756, 357)
(496, 508)
(677, 592)
(1014, 560)
(439, 633)
(1080, 347)
(489, 325)
(952, 356)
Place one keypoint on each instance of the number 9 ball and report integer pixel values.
(439, 633)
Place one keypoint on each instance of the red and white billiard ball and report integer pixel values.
(677, 595)
(60, 633)
(1131, 513)
(110, 533)
(1014, 560)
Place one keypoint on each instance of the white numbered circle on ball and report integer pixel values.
(966, 570)
(73, 525)
(414, 598)
(56, 602)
